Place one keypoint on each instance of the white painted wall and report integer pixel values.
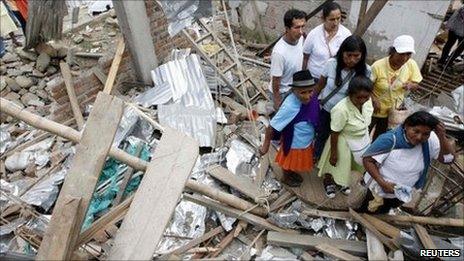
(420, 19)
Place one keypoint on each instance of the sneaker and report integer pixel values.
(346, 190)
(330, 191)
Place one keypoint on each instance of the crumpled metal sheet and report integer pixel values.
(192, 110)
(239, 157)
(181, 14)
(5, 140)
(188, 220)
(132, 124)
(45, 193)
(276, 253)
(155, 96)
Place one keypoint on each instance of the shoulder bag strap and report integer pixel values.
(345, 80)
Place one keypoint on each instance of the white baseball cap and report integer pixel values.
(404, 44)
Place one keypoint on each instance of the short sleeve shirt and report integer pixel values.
(319, 50)
(303, 133)
(346, 118)
(383, 76)
(329, 73)
(286, 59)
(404, 166)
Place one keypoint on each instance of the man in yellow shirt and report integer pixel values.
(393, 76)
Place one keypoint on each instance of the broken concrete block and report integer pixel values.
(51, 70)
(42, 94)
(14, 72)
(12, 84)
(37, 73)
(112, 34)
(37, 103)
(24, 82)
(111, 21)
(26, 55)
(27, 68)
(12, 96)
(28, 97)
(42, 62)
(9, 58)
(3, 84)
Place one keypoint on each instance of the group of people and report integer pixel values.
(328, 102)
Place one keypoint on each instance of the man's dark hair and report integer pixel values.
(421, 118)
(329, 7)
(293, 14)
(360, 83)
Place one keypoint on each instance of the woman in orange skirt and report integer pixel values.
(295, 121)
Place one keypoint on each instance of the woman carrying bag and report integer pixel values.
(393, 76)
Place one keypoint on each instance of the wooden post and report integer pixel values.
(82, 178)
(114, 66)
(373, 11)
(424, 237)
(336, 253)
(67, 77)
(362, 11)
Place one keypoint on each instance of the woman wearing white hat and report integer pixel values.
(393, 76)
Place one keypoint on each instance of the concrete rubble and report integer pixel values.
(213, 218)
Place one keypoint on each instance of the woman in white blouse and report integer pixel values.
(324, 40)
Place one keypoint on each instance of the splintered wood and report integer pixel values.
(82, 178)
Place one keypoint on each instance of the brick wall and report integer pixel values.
(87, 84)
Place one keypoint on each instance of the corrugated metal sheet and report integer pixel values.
(192, 109)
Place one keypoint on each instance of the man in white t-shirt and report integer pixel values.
(287, 55)
(323, 42)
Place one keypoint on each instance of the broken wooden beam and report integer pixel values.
(232, 212)
(113, 216)
(64, 131)
(156, 197)
(80, 182)
(334, 252)
(310, 242)
(195, 242)
(226, 198)
(424, 237)
(400, 219)
(385, 240)
(243, 184)
(369, 17)
(114, 66)
(383, 227)
(67, 78)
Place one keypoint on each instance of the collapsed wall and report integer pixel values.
(87, 85)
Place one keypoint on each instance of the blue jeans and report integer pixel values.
(2, 47)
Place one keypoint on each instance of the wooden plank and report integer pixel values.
(114, 66)
(369, 17)
(424, 237)
(114, 215)
(375, 248)
(241, 183)
(99, 74)
(282, 200)
(385, 240)
(451, 222)
(342, 215)
(85, 169)
(232, 212)
(61, 231)
(383, 227)
(195, 242)
(310, 242)
(362, 11)
(67, 77)
(335, 252)
(156, 197)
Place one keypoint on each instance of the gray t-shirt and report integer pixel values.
(456, 22)
(329, 72)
